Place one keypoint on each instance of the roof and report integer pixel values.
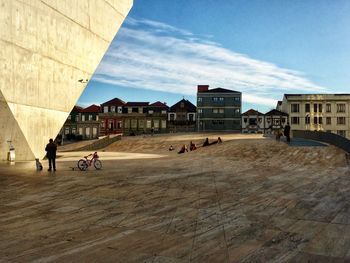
(137, 104)
(219, 90)
(92, 109)
(77, 108)
(115, 101)
(187, 105)
(276, 112)
(252, 112)
(317, 94)
(158, 104)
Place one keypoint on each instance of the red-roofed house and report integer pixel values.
(253, 122)
(111, 121)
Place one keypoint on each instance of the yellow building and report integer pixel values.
(319, 112)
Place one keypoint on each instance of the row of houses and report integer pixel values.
(217, 109)
(116, 116)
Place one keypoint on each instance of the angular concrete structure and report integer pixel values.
(46, 46)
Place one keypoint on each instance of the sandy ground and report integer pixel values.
(250, 199)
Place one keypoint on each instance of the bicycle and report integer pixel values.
(83, 164)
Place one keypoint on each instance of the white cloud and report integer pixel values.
(153, 55)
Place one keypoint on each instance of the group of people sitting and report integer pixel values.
(193, 146)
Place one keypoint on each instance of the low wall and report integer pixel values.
(100, 144)
(326, 137)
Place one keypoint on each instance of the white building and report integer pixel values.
(253, 122)
(319, 112)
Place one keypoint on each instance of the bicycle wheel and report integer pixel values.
(82, 165)
(98, 164)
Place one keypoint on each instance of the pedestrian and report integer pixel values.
(287, 131)
(51, 149)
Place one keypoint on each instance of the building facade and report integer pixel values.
(319, 112)
(142, 117)
(111, 117)
(253, 121)
(218, 109)
(88, 125)
(275, 120)
(182, 117)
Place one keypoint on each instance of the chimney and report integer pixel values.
(202, 88)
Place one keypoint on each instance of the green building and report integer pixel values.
(218, 109)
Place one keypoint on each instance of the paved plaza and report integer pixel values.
(241, 201)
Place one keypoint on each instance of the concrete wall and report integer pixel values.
(46, 46)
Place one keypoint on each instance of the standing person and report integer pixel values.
(51, 149)
(287, 131)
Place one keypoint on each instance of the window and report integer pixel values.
(200, 111)
(87, 131)
(141, 124)
(328, 120)
(340, 107)
(215, 99)
(163, 112)
(319, 107)
(191, 117)
(221, 111)
(126, 124)
(77, 118)
(199, 99)
(320, 121)
(120, 110)
(221, 99)
(315, 120)
(136, 110)
(328, 107)
(295, 120)
(163, 124)
(156, 124)
(66, 130)
(315, 107)
(96, 117)
(252, 121)
(215, 111)
(294, 108)
(150, 112)
(74, 130)
(172, 116)
(218, 122)
(307, 120)
(82, 117)
(102, 124)
(341, 120)
(90, 117)
(105, 109)
(149, 124)
(133, 124)
(307, 107)
(112, 108)
(236, 99)
(237, 111)
(341, 133)
(80, 131)
(94, 132)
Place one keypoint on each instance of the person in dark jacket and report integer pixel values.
(287, 131)
(51, 149)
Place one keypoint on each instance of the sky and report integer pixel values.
(263, 48)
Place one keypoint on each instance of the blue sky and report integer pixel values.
(262, 48)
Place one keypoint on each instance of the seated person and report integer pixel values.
(192, 146)
(206, 142)
(171, 148)
(183, 149)
(219, 140)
